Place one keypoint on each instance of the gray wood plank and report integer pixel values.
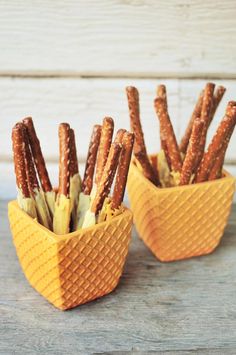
(180, 307)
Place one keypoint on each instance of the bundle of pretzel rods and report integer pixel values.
(187, 162)
(76, 203)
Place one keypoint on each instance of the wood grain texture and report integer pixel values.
(182, 307)
(84, 102)
(118, 38)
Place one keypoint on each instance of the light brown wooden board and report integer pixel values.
(179, 307)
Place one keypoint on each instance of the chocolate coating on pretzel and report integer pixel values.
(19, 160)
(104, 146)
(167, 134)
(122, 170)
(37, 155)
(74, 168)
(107, 177)
(119, 135)
(87, 182)
(64, 147)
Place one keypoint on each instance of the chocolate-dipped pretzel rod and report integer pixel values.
(140, 151)
(19, 160)
(104, 146)
(64, 172)
(107, 178)
(73, 166)
(87, 183)
(218, 141)
(196, 113)
(119, 135)
(206, 116)
(192, 151)
(123, 169)
(217, 97)
(167, 133)
(37, 155)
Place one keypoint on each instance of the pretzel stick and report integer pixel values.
(24, 199)
(215, 146)
(107, 178)
(61, 221)
(123, 169)
(19, 160)
(119, 136)
(218, 95)
(207, 105)
(140, 151)
(91, 160)
(37, 155)
(216, 171)
(104, 146)
(196, 113)
(167, 133)
(192, 151)
(73, 166)
(153, 160)
(161, 92)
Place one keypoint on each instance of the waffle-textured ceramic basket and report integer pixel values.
(72, 269)
(180, 222)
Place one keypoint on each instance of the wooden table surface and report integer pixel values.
(179, 307)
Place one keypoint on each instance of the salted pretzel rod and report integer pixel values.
(140, 151)
(122, 170)
(107, 178)
(167, 133)
(64, 173)
(207, 105)
(216, 171)
(192, 151)
(73, 166)
(196, 113)
(104, 146)
(161, 92)
(217, 97)
(37, 155)
(216, 144)
(19, 160)
(87, 182)
(119, 135)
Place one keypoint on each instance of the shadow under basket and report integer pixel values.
(75, 268)
(180, 222)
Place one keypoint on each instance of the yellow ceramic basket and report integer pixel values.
(180, 222)
(75, 268)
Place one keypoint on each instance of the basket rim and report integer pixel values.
(228, 177)
(64, 237)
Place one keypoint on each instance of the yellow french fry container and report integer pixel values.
(180, 222)
(72, 269)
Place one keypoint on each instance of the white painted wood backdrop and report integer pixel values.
(71, 60)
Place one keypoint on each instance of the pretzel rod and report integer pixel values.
(37, 155)
(215, 146)
(207, 105)
(217, 97)
(153, 160)
(73, 166)
(216, 171)
(91, 160)
(19, 160)
(64, 174)
(196, 113)
(119, 135)
(107, 178)
(122, 170)
(104, 146)
(167, 133)
(161, 92)
(192, 151)
(32, 179)
(140, 151)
